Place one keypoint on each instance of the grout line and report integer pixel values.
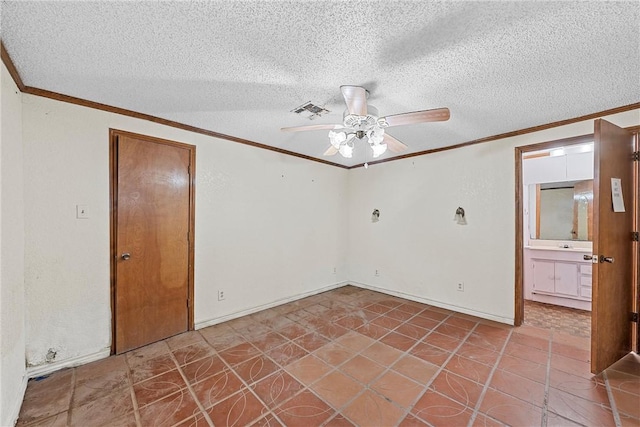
(476, 408)
(73, 392)
(136, 409)
(190, 388)
(547, 381)
(612, 400)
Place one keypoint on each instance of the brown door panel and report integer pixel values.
(153, 219)
(612, 281)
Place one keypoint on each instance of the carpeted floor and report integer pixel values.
(569, 320)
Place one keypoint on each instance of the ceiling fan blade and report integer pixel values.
(435, 115)
(309, 127)
(393, 144)
(356, 99)
(331, 151)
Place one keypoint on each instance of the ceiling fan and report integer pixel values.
(360, 120)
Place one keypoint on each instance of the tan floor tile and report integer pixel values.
(369, 409)
(415, 368)
(308, 369)
(47, 396)
(334, 354)
(362, 369)
(398, 388)
(355, 341)
(103, 410)
(382, 353)
(336, 389)
(184, 339)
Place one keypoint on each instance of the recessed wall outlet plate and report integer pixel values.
(461, 287)
(221, 295)
(377, 273)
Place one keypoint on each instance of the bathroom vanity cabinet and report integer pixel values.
(558, 276)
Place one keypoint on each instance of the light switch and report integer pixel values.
(82, 211)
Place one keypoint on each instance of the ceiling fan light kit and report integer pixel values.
(361, 121)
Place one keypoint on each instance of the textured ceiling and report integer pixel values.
(239, 67)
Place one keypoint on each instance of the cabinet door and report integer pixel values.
(566, 278)
(543, 276)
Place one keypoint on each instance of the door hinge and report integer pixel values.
(635, 236)
(634, 317)
(188, 303)
(636, 156)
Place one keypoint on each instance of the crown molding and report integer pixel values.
(117, 110)
(525, 131)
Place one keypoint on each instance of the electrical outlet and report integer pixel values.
(221, 295)
(461, 287)
(335, 270)
(377, 274)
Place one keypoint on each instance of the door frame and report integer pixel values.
(519, 206)
(113, 219)
(519, 151)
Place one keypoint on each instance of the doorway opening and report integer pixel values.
(556, 194)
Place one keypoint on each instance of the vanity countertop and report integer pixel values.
(557, 248)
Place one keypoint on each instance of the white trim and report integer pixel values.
(215, 321)
(36, 371)
(15, 413)
(488, 316)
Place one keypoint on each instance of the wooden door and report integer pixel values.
(612, 281)
(152, 252)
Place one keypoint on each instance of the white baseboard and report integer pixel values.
(15, 412)
(488, 316)
(235, 315)
(37, 371)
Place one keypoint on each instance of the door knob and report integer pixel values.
(606, 259)
(586, 257)
(125, 256)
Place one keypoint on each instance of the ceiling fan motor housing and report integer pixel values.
(363, 123)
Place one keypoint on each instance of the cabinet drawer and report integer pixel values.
(585, 280)
(585, 292)
(585, 268)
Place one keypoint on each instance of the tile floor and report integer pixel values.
(341, 358)
(548, 316)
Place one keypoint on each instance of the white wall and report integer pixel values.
(12, 302)
(419, 250)
(268, 226)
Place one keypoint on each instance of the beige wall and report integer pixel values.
(419, 251)
(268, 227)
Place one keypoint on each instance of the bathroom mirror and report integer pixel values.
(561, 210)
